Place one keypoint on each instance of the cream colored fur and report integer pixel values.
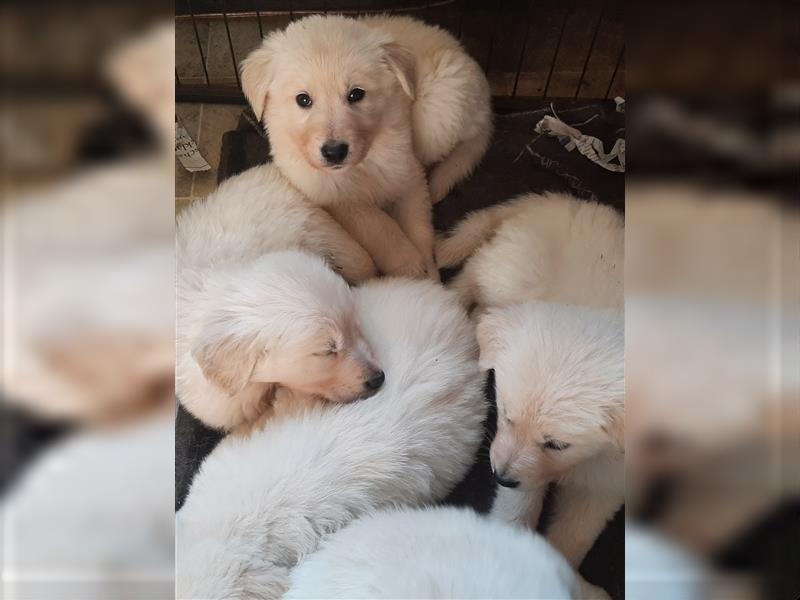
(425, 102)
(253, 319)
(559, 376)
(259, 504)
(434, 553)
(551, 247)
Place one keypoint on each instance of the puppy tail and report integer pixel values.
(477, 227)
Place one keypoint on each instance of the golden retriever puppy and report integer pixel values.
(560, 417)
(551, 247)
(255, 315)
(357, 109)
(283, 320)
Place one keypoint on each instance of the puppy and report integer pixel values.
(237, 302)
(356, 109)
(260, 503)
(551, 247)
(259, 211)
(560, 417)
(435, 553)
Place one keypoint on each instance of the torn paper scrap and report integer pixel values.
(590, 146)
(187, 152)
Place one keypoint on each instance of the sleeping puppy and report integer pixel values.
(357, 109)
(560, 417)
(259, 504)
(551, 247)
(252, 320)
(445, 551)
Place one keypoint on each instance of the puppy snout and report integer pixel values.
(375, 380)
(334, 151)
(504, 480)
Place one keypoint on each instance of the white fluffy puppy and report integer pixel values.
(435, 553)
(260, 503)
(251, 320)
(357, 109)
(560, 416)
(259, 211)
(551, 247)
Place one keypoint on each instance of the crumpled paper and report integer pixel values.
(590, 146)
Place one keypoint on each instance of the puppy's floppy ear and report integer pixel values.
(489, 332)
(404, 66)
(256, 77)
(225, 359)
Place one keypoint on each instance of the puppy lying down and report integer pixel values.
(559, 373)
(435, 553)
(260, 503)
(551, 247)
(253, 321)
(357, 110)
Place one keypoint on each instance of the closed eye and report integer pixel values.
(556, 445)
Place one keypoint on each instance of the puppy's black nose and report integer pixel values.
(509, 483)
(334, 152)
(376, 380)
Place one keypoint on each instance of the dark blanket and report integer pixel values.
(517, 162)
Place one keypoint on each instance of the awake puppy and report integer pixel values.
(356, 109)
(560, 417)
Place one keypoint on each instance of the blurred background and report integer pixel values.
(712, 299)
(87, 297)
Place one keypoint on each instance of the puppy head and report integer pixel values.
(560, 388)
(287, 320)
(325, 87)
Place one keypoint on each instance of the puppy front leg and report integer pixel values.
(347, 256)
(415, 216)
(382, 238)
(519, 507)
(578, 519)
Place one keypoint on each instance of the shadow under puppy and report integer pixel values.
(255, 318)
(357, 109)
(260, 503)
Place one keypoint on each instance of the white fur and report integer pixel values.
(433, 553)
(259, 211)
(259, 504)
(238, 297)
(551, 247)
(559, 375)
(426, 101)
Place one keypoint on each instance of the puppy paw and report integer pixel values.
(413, 270)
(438, 188)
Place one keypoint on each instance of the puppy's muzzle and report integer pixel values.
(504, 481)
(334, 152)
(373, 383)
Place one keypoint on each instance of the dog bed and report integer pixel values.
(519, 160)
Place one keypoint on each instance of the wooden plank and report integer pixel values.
(607, 47)
(545, 24)
(575, 42)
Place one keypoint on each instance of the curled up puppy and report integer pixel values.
(551, 247)
(356, 110)
(255, 318)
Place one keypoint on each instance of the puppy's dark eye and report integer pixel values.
(356, 95)
(303, 100)
(556, 445)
